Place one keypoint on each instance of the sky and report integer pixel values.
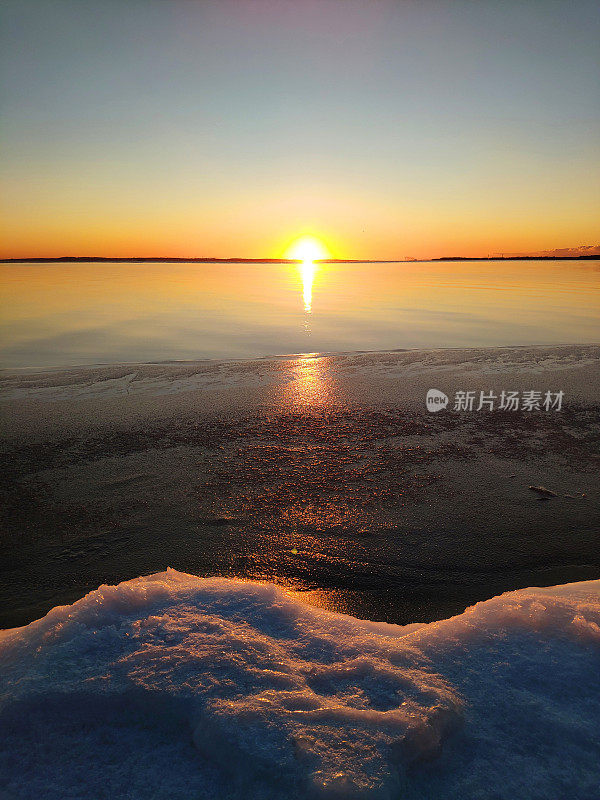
(224, 129)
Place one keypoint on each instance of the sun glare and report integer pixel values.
(307, 249)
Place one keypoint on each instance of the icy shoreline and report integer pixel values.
(175, 686)
(164, 379)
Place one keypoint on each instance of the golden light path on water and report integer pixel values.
(308, 270)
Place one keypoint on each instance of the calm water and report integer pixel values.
(67, 314)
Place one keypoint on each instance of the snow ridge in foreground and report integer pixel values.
(179, 687)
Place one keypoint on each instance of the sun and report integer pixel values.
(307, 249)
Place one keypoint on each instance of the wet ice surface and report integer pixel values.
(171, 686)
(322, 474)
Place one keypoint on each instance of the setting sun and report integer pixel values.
(307, 248)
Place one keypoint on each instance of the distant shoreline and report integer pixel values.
(160, 259)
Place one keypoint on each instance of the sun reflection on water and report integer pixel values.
(308, 270)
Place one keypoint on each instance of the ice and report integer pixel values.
(172, 686)
(523, 364)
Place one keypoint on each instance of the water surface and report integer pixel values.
(71, 314)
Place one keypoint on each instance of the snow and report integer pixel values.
(172, 686)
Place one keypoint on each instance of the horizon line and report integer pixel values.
(241, 260)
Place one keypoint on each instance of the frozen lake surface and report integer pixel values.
(323, 474)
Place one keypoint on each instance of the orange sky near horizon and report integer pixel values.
(89, 224)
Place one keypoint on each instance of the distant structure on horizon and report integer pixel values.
(560, 252)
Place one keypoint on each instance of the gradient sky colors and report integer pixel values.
(387, 129)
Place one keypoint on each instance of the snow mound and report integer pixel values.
(175, 686)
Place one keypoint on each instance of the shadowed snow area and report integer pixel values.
(172, 686)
